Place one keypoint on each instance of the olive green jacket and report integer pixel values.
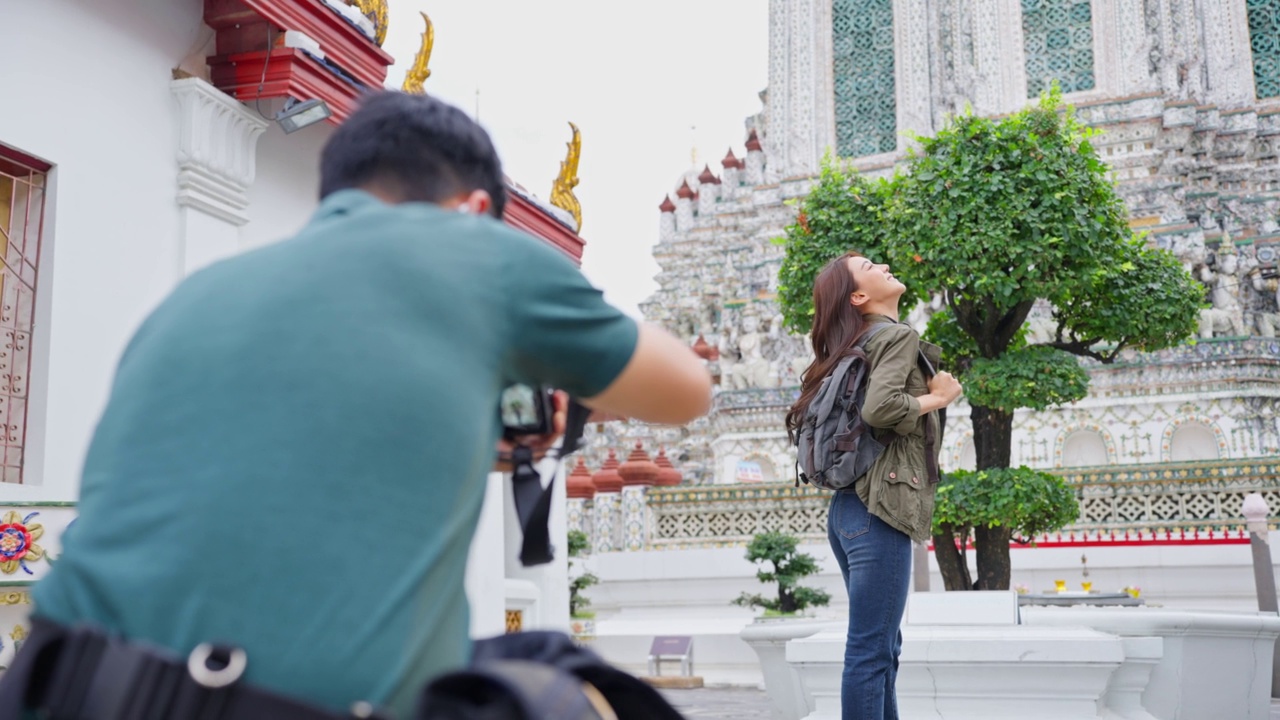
(897, 489)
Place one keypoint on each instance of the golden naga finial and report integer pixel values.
(376, 11)
(562, 190)
(419, 73)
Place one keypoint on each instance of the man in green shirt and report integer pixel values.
(294, 453)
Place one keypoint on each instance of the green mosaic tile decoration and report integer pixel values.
(1264, 35)
(1059, 44)
(866, 107)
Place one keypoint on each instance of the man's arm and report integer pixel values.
(663, 382)
(566, 335)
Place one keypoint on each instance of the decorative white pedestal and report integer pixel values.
(975, 672)
(1124, 692)
(769, 638)
(1214, 665)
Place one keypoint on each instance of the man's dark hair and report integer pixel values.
(413, 146)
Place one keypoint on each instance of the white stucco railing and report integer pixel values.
(1167, 502)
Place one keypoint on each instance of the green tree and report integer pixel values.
(579, 544)
(1027, 502)
(998, 215)
(789, 566)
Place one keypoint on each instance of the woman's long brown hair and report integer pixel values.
(837, 326)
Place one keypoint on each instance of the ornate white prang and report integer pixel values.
(217, 150)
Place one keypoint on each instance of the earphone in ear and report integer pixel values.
(464, 209)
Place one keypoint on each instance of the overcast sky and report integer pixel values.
(645, 82)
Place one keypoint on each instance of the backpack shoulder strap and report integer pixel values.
(826, 400)
(854, 380)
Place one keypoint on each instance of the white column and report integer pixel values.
(605, 522)
(708, 194)
(911, 42)
(999, 57)
(485, 579)
(684, 215)
(635, 520)
(755, 167)
(217, 148)
(666, 226)
(1228, 58)
(1122, 48)
(549, 584)
(576, 516)
(799, 60)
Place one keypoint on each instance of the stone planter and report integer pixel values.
(1214, 665)
(768, 637)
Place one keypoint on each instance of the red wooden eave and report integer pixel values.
(245, 29)
(288, 73)
(524, 215)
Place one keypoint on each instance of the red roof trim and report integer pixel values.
(289, 73)
(342, 42)
(21, 158)
(524, 215)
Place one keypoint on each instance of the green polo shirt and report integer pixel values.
(294, 452)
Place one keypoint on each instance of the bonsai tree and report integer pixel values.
(789, 566)
(579, 543)
(1020, 501)
(994, 216)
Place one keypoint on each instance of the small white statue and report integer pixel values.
(1226, 317)
(1267, 322)
(752, 370)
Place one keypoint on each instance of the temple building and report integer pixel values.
(1185, 97)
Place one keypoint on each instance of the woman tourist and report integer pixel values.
(871, 523)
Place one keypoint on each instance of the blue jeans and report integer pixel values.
(875, 560)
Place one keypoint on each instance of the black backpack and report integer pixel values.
(834, 447)
(540, 675)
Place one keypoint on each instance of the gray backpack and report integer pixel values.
(835, 447)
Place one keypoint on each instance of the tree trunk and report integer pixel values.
(992, 546)
(786, 600)
(992, 437)
(955, 571)
(993, 443)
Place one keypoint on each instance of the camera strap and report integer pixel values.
(532, 500)
(533, 507)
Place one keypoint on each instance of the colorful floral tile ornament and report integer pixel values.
(18, 537)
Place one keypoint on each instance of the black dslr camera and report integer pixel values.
(524, 411)
(527, 410)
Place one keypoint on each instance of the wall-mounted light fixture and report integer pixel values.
(297, 115)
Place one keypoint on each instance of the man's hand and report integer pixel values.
(540, 444)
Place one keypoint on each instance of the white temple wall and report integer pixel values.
(94, 99)
(108, 248)
(702, 583)
(287, 189)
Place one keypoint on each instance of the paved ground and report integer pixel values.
(721, 703)
(747, 704)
